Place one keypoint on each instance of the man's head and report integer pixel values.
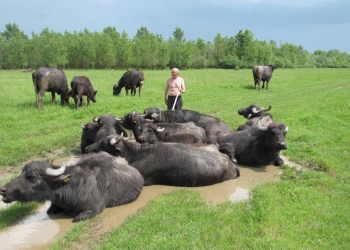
(174, 72)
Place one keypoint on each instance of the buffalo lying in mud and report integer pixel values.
(81, 190)
(176, 164)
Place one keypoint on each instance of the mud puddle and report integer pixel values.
(39, 230)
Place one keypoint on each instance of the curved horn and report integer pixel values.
(95, 119)
(82, 125)
(255, 111)
(154, 115)
(259, 126)
(268, 109)
(159, 129)
(56, 172)
(114, 141)
(118, 119)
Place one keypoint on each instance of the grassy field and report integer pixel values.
(307, 210)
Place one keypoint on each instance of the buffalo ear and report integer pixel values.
(62, 179)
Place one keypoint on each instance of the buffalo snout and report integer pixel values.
(281, 145)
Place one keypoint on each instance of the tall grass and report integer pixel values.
(306, 210)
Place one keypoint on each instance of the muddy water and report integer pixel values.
(39, 229)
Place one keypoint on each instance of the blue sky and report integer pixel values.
(313, 24)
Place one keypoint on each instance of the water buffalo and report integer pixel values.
(132, 121)
(94, 133)
(81, 190)
(258, 145)
(176, 164)
(130, 80)
(213, 126)
(253, 113)
(264, 74)
(50, 80)
(81, 85)
(187, 133)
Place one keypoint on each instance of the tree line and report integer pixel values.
(112, 49)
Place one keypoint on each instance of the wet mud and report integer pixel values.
(39, 229)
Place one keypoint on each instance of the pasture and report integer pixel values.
(307, 209)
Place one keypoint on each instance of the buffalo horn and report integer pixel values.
(159, 129)
(118, 119)
(114, 141)
(95, 119)
(56, 172)
(255, 111)
(259, 126)
(82, 125)
(268, 109)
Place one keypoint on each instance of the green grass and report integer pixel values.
(306, 210)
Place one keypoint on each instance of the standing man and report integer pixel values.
(174, 87)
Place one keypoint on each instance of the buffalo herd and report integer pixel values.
(120, 155)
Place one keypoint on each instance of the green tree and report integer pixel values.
(124, 52)
(15, 42)
(53, 49)
(245, 47)
(220, 49)
(145, 49)
(179, 53)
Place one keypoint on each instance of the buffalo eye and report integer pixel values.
(31, 178)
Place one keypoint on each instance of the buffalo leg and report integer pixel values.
(53, 97)
(80, 101)
(76, 100)
(140, 90)
(39, 99)
(263, 85)
(85, 215)
(88, 101)
(267, 84)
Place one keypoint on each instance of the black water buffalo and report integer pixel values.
(82, 190)
(259, 145)
(253, 113)
(187, 133)
(176, 164)
(213, 126)
(130, 80)
(88, 135)
(264, 74)
(132, 121)
(96, 131)
(81, 85)
(50, 80)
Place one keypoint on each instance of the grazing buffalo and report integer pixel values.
(253, 113)
(50, 80)
(81, 85)
(187, 133)
(81, 190)
(130, 80)
(96, 131)
(176, 164)
(259, 145)
(213, 126)
(264, 74)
